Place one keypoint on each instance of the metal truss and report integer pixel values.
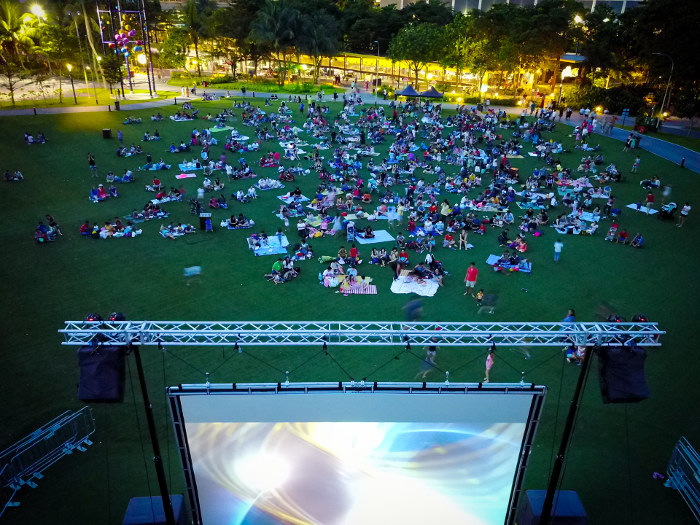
(354, 333)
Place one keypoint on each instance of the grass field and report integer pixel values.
(300, 88)
(615, 449)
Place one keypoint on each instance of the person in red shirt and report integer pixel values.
(470, 278)
(355, 254)
(622, 237)
(449, 241)
(650, 202)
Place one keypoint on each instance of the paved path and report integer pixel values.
(667, 150)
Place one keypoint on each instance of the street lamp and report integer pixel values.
(38, 11)
(70, 74)
(376, 74)
(668, 85)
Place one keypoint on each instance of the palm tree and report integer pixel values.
(195, 28)
(319, 39)
(16, 31)
(277, 25)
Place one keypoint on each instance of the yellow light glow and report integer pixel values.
(484, 88)
(453, 91)
(430, 75)
(459, 99)
(99, 58)
(606, 20)
(538, 70)
(141, 59)
(566, 73)
(495, 95)
(665, 114)
(599, 109)
(578, 19)
(520, 102)
(37, 11)
(304, 67)
(70, 68)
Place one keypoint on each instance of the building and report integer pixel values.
(619, 6)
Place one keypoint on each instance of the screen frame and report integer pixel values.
(176, 393)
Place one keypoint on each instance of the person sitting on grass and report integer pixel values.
(369, 233)
(637, 241)
(622, 237)
(449, 241)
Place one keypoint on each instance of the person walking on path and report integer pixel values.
(470, 278)
(558, 245)
(685, 210)
(489, 363)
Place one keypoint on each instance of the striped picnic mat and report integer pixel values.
(369, 289)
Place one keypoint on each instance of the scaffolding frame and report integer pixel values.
(356, 333)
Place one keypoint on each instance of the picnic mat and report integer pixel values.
(290, 200)
(185, 175)
(367, 289)
(189, 167)
(493, 259)
(216, 130)
(379, 236)
(643, 209)
(405, 284)
(273, 246)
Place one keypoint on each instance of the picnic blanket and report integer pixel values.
(641, 208)
(291, 199)
(406, 284)
(586, 216)
(530, 205)
(525, 267)
(189, 167)
(273, 246)
(216, 130)
(186, 176)
(154, 167)
(359, 289)
(174, 119)
(379, 236)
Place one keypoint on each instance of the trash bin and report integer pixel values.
(116, 105)
(203, 220)
(107, 133)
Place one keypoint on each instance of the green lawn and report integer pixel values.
(260, 86)
(84, 99)
(615, 449)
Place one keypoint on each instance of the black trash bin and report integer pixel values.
(117, 105)
(107, 133)
(203, 220)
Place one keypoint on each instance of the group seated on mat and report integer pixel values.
(147, 137)
(100, 194)
(182, 148)
(302, 250)
(508, 262)
(623, 237)
(218, 202)
(575, 225)
(114, 228)
(150, 211)
(31, 139)
(155, 166)
(132, 120)
(127, 177)
(267, 183)
(283, 271)
(157, 117)
(172, 232)
(183, 116)
(124, 151)
(237, 222)
(208, 185)
(270, 160)
(349, 281)
(244, 197)
(46, 232)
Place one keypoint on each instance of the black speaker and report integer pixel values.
(102, 373)
(622, 377)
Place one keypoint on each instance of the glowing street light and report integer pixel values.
(38, 11)
(142, 59)
(70, 74)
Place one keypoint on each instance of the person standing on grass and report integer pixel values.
(685, 210)
(635, 166)
(650, 202)
(489, 363)
(558, 245)
(92, 163)
(120, 136)
(470, 278)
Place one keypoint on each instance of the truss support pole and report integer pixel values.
(546, 515)
(157, 460)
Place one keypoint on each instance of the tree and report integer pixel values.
(418, 45)
(277, 25)
(16, 32)
(195, 14)
(319, 39)
(173, 52)
(112, 67)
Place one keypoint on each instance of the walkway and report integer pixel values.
(666, 150)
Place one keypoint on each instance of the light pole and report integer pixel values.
(94, 86)
(72, 85)
(668, 85)
(376, 74)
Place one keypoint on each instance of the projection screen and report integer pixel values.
(340, 454)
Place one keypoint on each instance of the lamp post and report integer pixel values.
(376, 74)
(72, 85)
(668, 85)
(94, 86)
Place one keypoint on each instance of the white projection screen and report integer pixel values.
(339, 455)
